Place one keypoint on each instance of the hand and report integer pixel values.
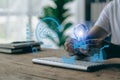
(69, 47)
(92, 43)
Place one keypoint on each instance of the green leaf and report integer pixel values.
(61, 14)
(63, 39)
(66, 15)
(67, 1)
(49, 11)
(67, 25)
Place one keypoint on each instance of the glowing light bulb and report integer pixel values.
(80, 32)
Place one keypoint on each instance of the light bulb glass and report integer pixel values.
(80, 32)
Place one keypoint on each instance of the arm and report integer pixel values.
(100, 31)
(99, 34)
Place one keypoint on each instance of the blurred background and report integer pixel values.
(15, 15)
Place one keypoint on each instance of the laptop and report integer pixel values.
(77, 65)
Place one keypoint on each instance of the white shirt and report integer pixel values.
(109, 20)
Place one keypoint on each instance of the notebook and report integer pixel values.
(19, 50)
(78, 65)
(15, 45)
(20, 47)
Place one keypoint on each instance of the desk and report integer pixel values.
(20, 67)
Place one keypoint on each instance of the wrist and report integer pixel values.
(104, 42)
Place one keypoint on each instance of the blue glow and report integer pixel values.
(100, 56)
(70, 60)
(28, 38)
(94, 58)
(34, 50)
(59, 27)
(79, 44)
(103, 54)
(44, 31)
(28, 33)
(80, 32)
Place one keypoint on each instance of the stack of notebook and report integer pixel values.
(20, 47)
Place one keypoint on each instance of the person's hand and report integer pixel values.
(92, 43)
(69, 46)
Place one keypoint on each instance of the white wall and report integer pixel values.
(80, 11)
(15, 23)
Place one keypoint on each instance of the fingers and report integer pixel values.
(93, 46)
(94, 43)
(85, 52)
(69, 46)
(80, 57)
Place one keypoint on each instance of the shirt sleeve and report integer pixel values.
(104, 20)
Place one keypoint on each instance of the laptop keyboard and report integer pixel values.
(54, 61)
(77, 62)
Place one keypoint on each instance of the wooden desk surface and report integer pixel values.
(20, 67)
